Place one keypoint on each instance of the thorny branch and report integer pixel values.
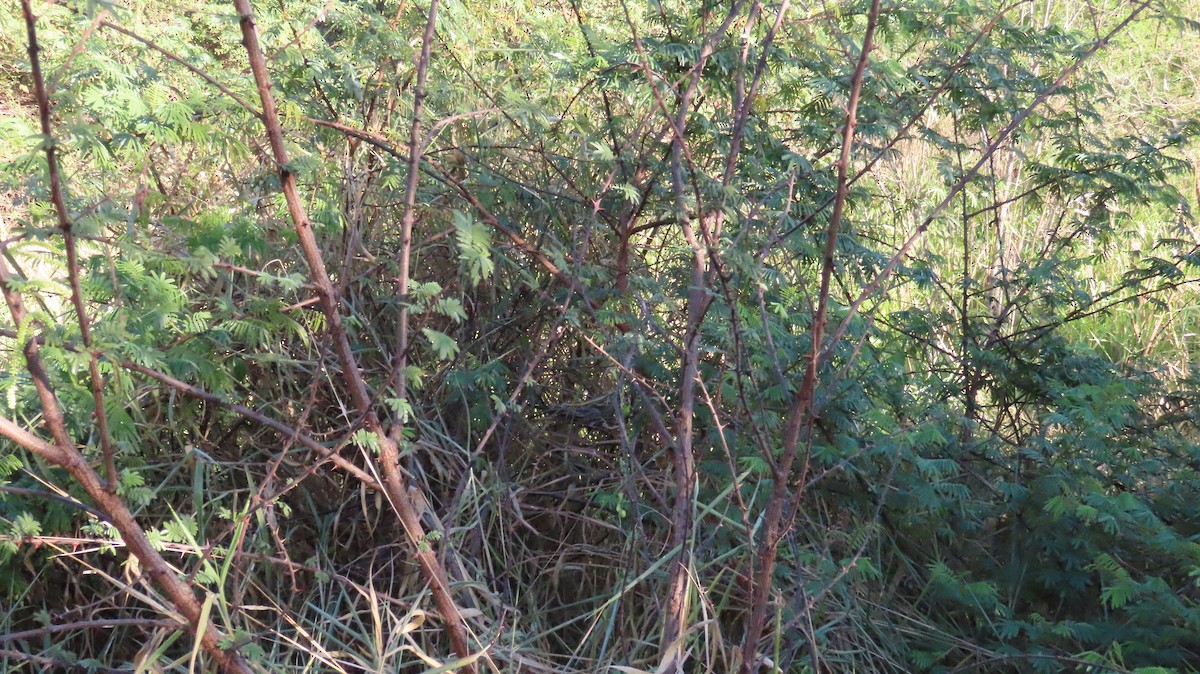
(800, 415)
(64, 452)
(389, 452)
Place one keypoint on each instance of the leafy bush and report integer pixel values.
(700, 337)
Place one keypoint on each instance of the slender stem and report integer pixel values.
(877, 283)
(183, 62)
(258, 418)
(64, 452)
(410, 201)
(66, 227)
(699, 299)
(88, 625)
(395, 486)
(886, 150)
(800, 414)
(57, 665)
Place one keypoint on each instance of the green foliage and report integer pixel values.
(1000, 470)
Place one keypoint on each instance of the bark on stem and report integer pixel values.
(876, 284)
(800, 413)
(415, 149)
(699, 300)
(389, 452)
(68, 234)
(64, 452)
(260, 419)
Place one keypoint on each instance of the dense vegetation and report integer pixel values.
(594, 335)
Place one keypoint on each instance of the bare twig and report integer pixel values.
(66, 227)
(64, 453)
(67, 456)
(56, 665)
(800, 413)
(258, 418)
(389, 451)
(884, 151)
(877, 283)
(699, 299)
(181, 61)
(416, 148)
(89, 625)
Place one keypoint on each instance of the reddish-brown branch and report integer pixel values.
(448, 177)
(800, 412)
(900, 135)
(97, 22)
(180, 60)
(389, 451)
(877, 283)
(258, 418)
(68, 234)
(410, 202)
(746, 98)
(31, 442)
(63, 453)
(699, 299)
(377, 141)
